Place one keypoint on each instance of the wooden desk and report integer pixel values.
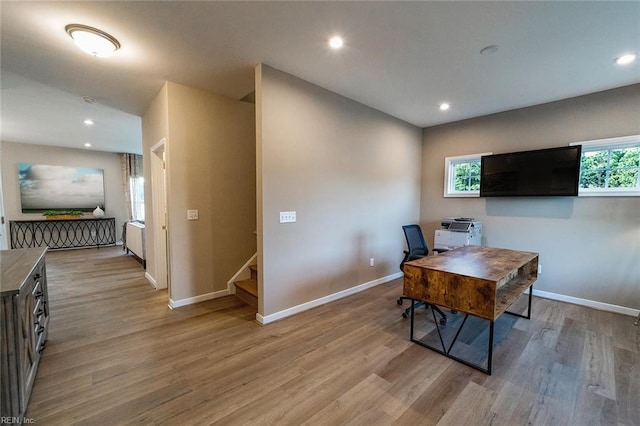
(474, 280)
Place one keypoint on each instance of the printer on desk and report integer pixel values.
(457, 232)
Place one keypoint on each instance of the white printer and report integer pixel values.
(457, 232)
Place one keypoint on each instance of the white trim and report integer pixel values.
(462, 194)
(264, 320)
(151, 280)
(608, 192)
(197, 299)
(594, 144)
(588, 303)
(160, 215)
(230, 286)
(3, 226)
(158, 145)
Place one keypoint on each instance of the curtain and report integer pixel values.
(131, 173)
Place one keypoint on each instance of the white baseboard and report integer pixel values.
(588, 303)
(151, 280)
(264, 320)
(197, 299)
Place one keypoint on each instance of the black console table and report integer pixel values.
(58, 234)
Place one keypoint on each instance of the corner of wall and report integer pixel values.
(154, 128)
(259, 200)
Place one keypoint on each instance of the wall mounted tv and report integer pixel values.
(543, 172)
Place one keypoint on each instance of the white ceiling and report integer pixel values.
(403, 58)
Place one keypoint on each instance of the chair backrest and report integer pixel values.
(415, 241)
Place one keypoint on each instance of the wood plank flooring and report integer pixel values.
(117, 355)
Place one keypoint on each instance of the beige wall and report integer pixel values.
(350, 172)
(155, 127)
(589, 246)
(13, 153)
(210, 168)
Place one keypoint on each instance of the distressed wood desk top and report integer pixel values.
(481, 281)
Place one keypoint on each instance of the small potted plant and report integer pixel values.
(62, 214)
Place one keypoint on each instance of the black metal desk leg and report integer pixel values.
(528, 316)
(411, 338)
(490, 348)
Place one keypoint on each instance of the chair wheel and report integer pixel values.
(404, 315)
(399, 301)
(443, 321)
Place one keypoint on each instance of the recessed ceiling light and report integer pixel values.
(88, 145)
(625, 59)
(88, 99)
(444, 106)
(92, 40)
(336, 42)
(88, 122)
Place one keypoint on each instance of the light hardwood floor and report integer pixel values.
(117, 355)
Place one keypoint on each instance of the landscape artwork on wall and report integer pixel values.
(45, 187)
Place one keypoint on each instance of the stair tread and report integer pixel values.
(254, 271)
(250, 286)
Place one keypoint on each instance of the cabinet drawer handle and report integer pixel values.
(41, 330)
(40, 312)
(41, 348)
(39, 294)
(37, 276)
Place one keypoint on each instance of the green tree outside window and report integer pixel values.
(610, 168)
(467, 176)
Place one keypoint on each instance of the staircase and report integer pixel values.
(247, 290)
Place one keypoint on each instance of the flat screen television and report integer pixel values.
(543, 172)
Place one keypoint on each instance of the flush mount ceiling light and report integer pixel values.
(336, 42)
(88, 145)
(88, 122)
(92, 40)
(444, 106)
(625, 59)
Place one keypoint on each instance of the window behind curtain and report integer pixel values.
(133, 180)
(136, 188)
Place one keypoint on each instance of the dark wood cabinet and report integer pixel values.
(24, 318)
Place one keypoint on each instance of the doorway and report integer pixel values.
(159, 214)
(3, 226)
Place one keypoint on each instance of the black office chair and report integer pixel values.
(417, 248)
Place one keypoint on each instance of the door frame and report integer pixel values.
(160, 215)
(3, 224)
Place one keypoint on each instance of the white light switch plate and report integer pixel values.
(287, 217)
(192, 214)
